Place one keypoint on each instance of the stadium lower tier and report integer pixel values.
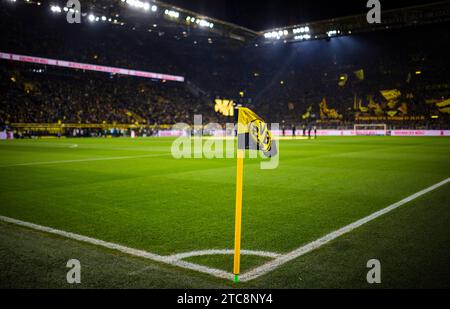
(36, 94)
(65, 100)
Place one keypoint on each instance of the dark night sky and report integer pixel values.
(266, 14)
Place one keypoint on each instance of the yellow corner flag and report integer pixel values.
(252, 134)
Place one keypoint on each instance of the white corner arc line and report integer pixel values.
(269, 266)
(85, 160)
(247, 276)
(130, 251)
(184, 255)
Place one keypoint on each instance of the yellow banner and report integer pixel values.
(391, 94)
(392, 113)
(443, 103)
(384, 118)
(445, 110)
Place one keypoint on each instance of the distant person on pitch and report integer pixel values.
(309, 132)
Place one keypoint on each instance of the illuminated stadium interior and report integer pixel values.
(225, 144)
(328, 72)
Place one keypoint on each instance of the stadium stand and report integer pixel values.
(332, 82)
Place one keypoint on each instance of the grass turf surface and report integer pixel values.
(153, 202)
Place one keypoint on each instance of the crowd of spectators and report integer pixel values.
(38, 94)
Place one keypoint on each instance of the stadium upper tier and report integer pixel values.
(336, 80)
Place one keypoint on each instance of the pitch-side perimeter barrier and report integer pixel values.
(328, 133)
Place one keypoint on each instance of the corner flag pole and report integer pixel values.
(249, 125)
(238, 217)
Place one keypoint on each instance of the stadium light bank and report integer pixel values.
(299, 33)
(141, 5)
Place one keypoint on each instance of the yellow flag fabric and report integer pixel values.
(392, 113)
(224, 107)
(363, 109)
(445, 110)
(391, 94)
(392, 104)
(333, 114)
(308, 113)
(359, 74)
(323, 108)
(246, 116)
(254, 134)
(379, 110)
(372, 104)
(443, 103)
(328, 113)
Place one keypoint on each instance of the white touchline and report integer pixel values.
(63, 145)
(85, 160)
(263, 269)
(176, 259)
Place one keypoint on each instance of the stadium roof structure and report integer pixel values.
(164, 19)
(397, 18)
(159, 16)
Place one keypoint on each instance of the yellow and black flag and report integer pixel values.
(254, 134)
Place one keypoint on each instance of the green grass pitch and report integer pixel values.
(148, 200)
